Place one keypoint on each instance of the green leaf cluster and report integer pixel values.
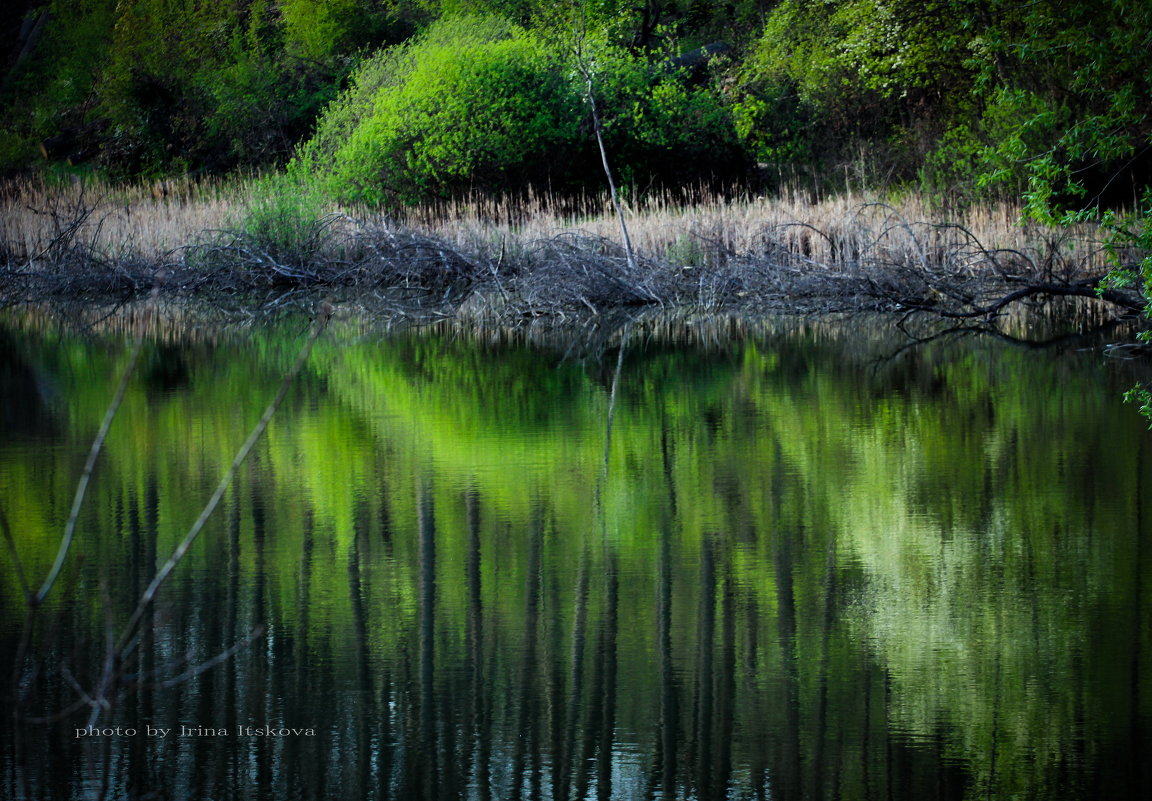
(478, 103)
(473, 102)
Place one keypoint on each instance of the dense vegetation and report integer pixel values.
(963, 97)
(479, 103)
(401, 102)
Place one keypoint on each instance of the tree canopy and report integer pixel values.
(964, 99)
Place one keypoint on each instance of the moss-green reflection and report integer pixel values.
(804, 569)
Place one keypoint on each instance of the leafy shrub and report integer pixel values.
(659, 126)
(478, 103)
(871, 83)
(286, 219)
(473, 103)
(775, 125)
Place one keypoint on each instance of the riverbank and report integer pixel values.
(504, 260)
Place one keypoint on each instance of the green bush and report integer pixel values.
(474, 103)
(285, 219)
(874, 84)
(660, 127)
(481, 104)
(775, 126)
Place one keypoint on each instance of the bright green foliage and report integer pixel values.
(825, 77)
(647, 25)
(1062, 91)
(474, 102)
(840, 52)
(479, 103)
(285, 219)
(1076, 78)
(323, 30)
(1047, 99)
(657, 125)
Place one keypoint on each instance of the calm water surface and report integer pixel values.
(792, 562)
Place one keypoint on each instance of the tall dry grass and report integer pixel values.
(154, 219)
(706, 225)
(148, 219)
(542, 254)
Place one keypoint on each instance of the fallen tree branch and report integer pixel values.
(1086, 288)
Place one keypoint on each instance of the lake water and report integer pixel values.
(790, 560)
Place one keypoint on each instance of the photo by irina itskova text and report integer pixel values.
(160, 732)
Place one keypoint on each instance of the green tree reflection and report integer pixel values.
(803, 572)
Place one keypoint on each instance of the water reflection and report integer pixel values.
(796, 570)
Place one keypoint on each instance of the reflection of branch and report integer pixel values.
(23, 579)
(117, 651)
(995, 333)
(101, 702)
(108, 676)
(612, 399)
(224, 655)
(85, 477)
(64, 713)
(602, 481)
(127, 640)
(85, 698)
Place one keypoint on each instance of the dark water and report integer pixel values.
(791, 562)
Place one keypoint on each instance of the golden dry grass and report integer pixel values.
(151, 220)
(826, 230)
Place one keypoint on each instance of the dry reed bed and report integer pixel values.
(537, 255)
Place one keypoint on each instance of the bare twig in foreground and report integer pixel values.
(582, 66)
(127, 638)
(90, 463)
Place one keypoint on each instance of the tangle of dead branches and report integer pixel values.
(875, 261)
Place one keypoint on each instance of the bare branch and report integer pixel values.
(208, 664)
(126, 638)
(25, 588)
(90, 465)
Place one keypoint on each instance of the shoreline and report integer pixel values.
(503, 261)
